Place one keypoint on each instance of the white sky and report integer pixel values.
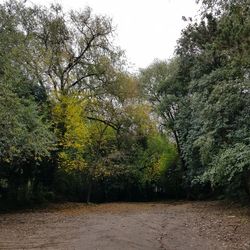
(146, 29)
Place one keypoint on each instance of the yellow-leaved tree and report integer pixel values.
(72, 131)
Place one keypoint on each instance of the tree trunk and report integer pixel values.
(183, 163)
(170, 116)
(247, 182)
(89, 191)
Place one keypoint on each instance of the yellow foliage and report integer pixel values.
(140, 116)
(72, 129)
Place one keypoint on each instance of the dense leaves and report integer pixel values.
(204, 99)
(73, 123)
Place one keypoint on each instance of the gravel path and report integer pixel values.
(115, 226)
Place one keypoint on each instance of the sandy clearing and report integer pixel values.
(125, 226)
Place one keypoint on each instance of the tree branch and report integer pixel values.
(108, 123)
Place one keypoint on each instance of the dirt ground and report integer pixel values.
(116, 226)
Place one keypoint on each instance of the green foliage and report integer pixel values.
(202, 98)
(229, 164)
(75, 125)
(24, 135)
(215, 126)
(159, 156)
(25, 141)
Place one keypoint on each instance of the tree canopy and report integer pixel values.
(76, 125)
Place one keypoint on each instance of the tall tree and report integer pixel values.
(164, 90)
(64, 51)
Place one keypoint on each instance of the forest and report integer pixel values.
(76, 125)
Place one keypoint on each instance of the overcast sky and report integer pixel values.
(146, 29)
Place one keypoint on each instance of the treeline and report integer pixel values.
(203, 97)
(76, 125)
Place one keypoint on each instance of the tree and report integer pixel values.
(26, 139)
(64, 51)
(202, 95)
(214, 55)
(25, 142)
(164, 90)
